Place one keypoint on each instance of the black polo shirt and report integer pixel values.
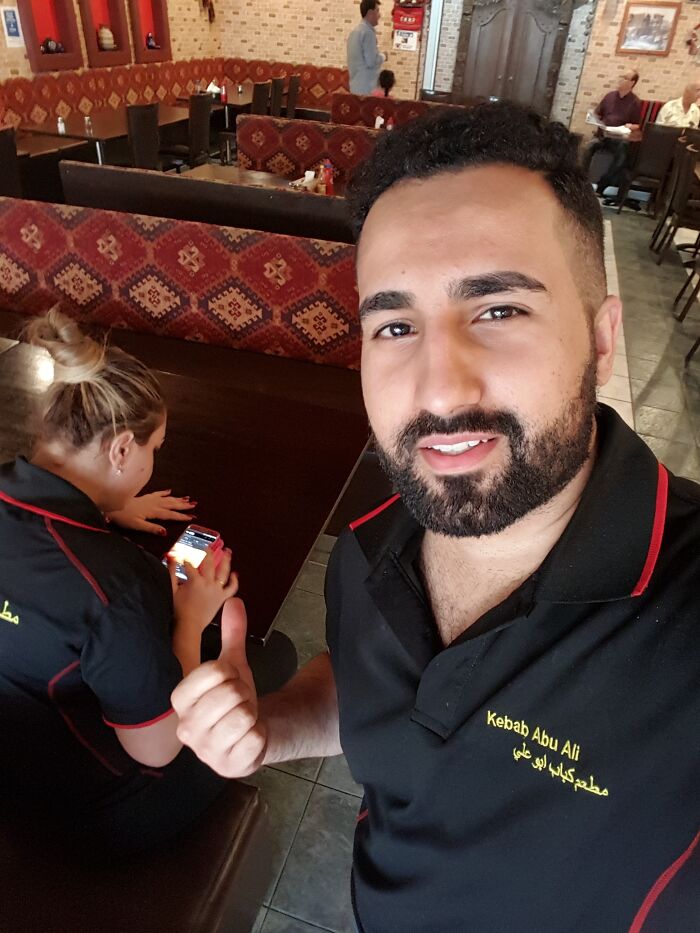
(85, 619)
(542, 773)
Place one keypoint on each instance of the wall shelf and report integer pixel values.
(111, 13)
(56, 19)
(150, 16)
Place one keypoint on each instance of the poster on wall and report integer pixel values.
(12, 27)
(405, 40)
(648, 28)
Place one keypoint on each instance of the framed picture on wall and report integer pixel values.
(648, 28)
(12, 27)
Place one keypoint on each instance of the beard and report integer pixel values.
(540, 464)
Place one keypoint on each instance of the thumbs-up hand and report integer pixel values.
(217, 704)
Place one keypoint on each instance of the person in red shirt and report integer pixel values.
(620, 107)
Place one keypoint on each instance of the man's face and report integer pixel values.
(626, 83)
(373, 17)
(479, 362)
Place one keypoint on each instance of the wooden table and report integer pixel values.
(263, 443)
(238, 101)
(104, 125)
(30, 146)
(233, 175)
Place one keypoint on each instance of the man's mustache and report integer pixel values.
(476, 421)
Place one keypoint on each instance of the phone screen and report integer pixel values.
(191, 546)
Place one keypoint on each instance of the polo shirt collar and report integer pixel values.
(607, 551)
(33, 489)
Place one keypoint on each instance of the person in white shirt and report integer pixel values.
(364, 59)
(683, 111)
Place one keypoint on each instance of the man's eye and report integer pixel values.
(395, 329)
(500, 313)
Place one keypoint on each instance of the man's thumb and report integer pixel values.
(234, 627)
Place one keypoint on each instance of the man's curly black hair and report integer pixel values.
(489, 134)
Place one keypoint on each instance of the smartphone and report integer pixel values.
(192, 546)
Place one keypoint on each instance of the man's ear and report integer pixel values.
(606, 326)
(120, 449)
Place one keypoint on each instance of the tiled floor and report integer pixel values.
(313, 804)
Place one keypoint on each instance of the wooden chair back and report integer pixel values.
(144, 139)
(261, 97)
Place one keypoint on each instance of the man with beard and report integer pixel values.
(513, 661)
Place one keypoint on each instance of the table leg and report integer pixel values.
(100, 152)
(226, 118)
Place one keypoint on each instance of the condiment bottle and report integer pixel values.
(328, 176)
(61, 125)
(224, 93)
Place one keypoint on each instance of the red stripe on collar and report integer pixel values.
(58, 518)
(657, 532)
(374, 512)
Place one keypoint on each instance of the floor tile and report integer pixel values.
(286, 798)
(669, 425)
(681, 459)
(336, 774)
(315, 883)
(278, 922)
(616, 387)
(658, 372)
(312, 577)
(259, 920)
(303, 619)
(620, 366)
(670, 398)
(307, 768)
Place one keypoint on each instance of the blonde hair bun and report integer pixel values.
(77, 357)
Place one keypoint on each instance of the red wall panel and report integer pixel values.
(45, 20)
(101, 13)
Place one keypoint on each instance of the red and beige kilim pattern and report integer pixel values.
(356, 110)
(47, 96)
(287, 296)
(290, 147)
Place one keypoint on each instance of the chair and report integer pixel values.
(276, 94)
(144, 139)
(669, 188)
(10, 181)
(196, 152)
(653, 162)
(261, 97)
(210, 878)
(292, 96)
(683, 212)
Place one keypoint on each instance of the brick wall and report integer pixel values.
(191, 36)
(661, 77)
(572, 62)
(447, 48)
(299, 31)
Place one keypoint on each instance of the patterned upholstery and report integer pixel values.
(356, 110)
(275, 294)
(47, 96)
(318, 85)
(290, 147)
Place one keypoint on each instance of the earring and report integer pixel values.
(118, 471)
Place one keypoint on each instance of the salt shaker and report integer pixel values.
(240, 88)
(88, 124)
(61, 125)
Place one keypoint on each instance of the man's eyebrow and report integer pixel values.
(386, 301)
(493, 283)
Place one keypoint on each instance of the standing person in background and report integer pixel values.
(364, 58)
(387, 80)
(682, 111)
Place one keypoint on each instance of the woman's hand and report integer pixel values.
(161, 505)
(199, 598)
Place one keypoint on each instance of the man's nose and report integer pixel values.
(450, 374)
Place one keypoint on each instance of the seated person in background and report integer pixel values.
(621, 107)
(683, 111)
(95, 633)
(387, 80)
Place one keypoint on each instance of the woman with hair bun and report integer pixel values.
(94, 632)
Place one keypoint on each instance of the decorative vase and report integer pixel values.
(105, 39)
